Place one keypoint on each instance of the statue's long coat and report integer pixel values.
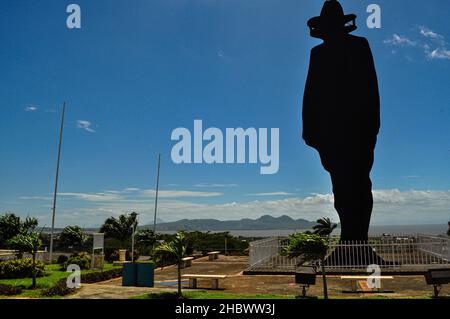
(341, 102)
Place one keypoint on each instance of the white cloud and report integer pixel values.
(428, 33)
(430, 40)
(131, 189)
(271, 194)
(97, 197)
(178, 193)
(31, 108)
(391, 206)
(113, 191)
(440, 53)
(400, 40)
(216, 185)
(35, 197)
(85, 125)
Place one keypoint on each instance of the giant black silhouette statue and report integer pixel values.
(341, 115)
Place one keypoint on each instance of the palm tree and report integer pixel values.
(29, 243)
(121, 228)
(324, 227)
(310, 248)
(175, 249)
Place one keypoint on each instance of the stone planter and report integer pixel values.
(122, 255)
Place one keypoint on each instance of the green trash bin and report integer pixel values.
(129, 277)
(145, 274)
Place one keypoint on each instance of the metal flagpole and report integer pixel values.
(156, 198)
(56, 182)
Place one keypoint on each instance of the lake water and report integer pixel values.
(374, 230)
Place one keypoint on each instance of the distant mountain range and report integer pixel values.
(263, 223)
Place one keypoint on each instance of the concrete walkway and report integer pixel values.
(112, 291)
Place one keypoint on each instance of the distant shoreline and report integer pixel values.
(429, 229)
(432, 229)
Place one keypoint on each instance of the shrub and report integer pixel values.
(20, 268)
(83, 260)
(10, 290)
(94, 277)
(62, 259)
(113, 255)
(59, 289)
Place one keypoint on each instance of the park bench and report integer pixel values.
(7, 254)
(214, 280)
(213, 255)
(437, 277)
(354, 280)
(186, 262)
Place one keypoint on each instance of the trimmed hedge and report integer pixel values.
(94, 277)
(61, 289)
(20, 268)
(10, 290)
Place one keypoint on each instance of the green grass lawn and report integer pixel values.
(53, 275)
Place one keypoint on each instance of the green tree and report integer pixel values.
(324, 227)
(448, 231)
(120, 228)
(145, 239)
(207, 241)
(29, 243)
(12, 225)
(175, 249)
(72, 236)
(310, 248)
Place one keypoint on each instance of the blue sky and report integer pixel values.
(137, 70)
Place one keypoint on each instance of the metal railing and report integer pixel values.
(435, 245)
(400, 252)
(261, 251)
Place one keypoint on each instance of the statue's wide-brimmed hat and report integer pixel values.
(332, 18)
